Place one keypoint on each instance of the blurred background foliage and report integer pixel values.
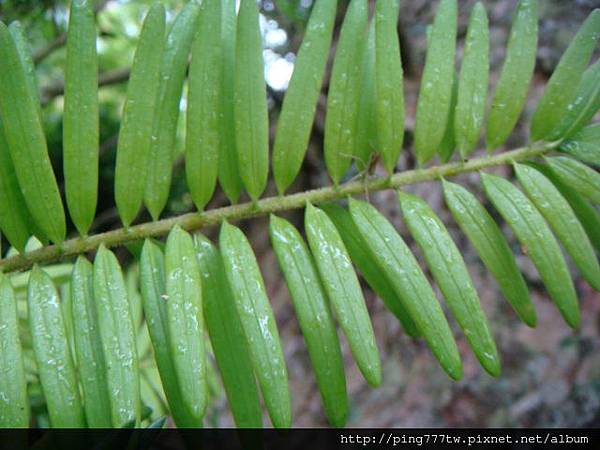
(551, 375)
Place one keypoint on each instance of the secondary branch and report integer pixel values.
(107, 78)
(196, 221)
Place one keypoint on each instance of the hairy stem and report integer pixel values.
(196, 221)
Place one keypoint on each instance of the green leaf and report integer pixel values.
(366, 127)
(580, 177)
(301, 97)
(164, 129)
(153, 287)
(52, 354)
(562, 219)
(448, 144)
(27, 144)
(136, 133)
(152, 396)
(410, 285)
(64, 293)
(15, 220)
(390, 95)
(118, 339)
(367, 264)
(185, 321)
(513, 84)
(473, 83)
(80, 120)
(143, 341)
(258, 322)
(314, 314)
(564, 82)
(585, 145)
(227, 337)
(229, 177)
(251, 113)
(436, 86)
(203, 121)
(583, 107)
(23, 47)
(134, 296)
(88, 346)
(344, 291)
(452, 277)
(492, 248)
(343, 97)
(14, 407)
(588, 215)
(538, 242)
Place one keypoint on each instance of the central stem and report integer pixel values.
(196, 221)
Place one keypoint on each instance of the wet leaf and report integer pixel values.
(229, 177)
(300, 100)
(533, 233)
(473, 83)
(118, 339)
(582, 108)
(492, 248)
(366, 262)
(185, 321)
(27, 144)
(153, 288)
(203, 119)
(389, 83)
(343, 98)
(14, 407)
(135, 135)
(166, 114)
(452, 277)
(585, 145)
(52, 353)
(227, 337)
(88, 346)
(588, 215)
(564, 82)
(409, 283)
(515, 77)
(80, 119)
(562, 220)
(251, 113)
(435, 93)
(344, 291)
(580, 177)
(258, 323)
(314, 314)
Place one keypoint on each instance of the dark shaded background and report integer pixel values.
(551, 374)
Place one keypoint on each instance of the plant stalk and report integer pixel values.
(196, 221)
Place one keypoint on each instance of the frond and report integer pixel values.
(104, 344)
